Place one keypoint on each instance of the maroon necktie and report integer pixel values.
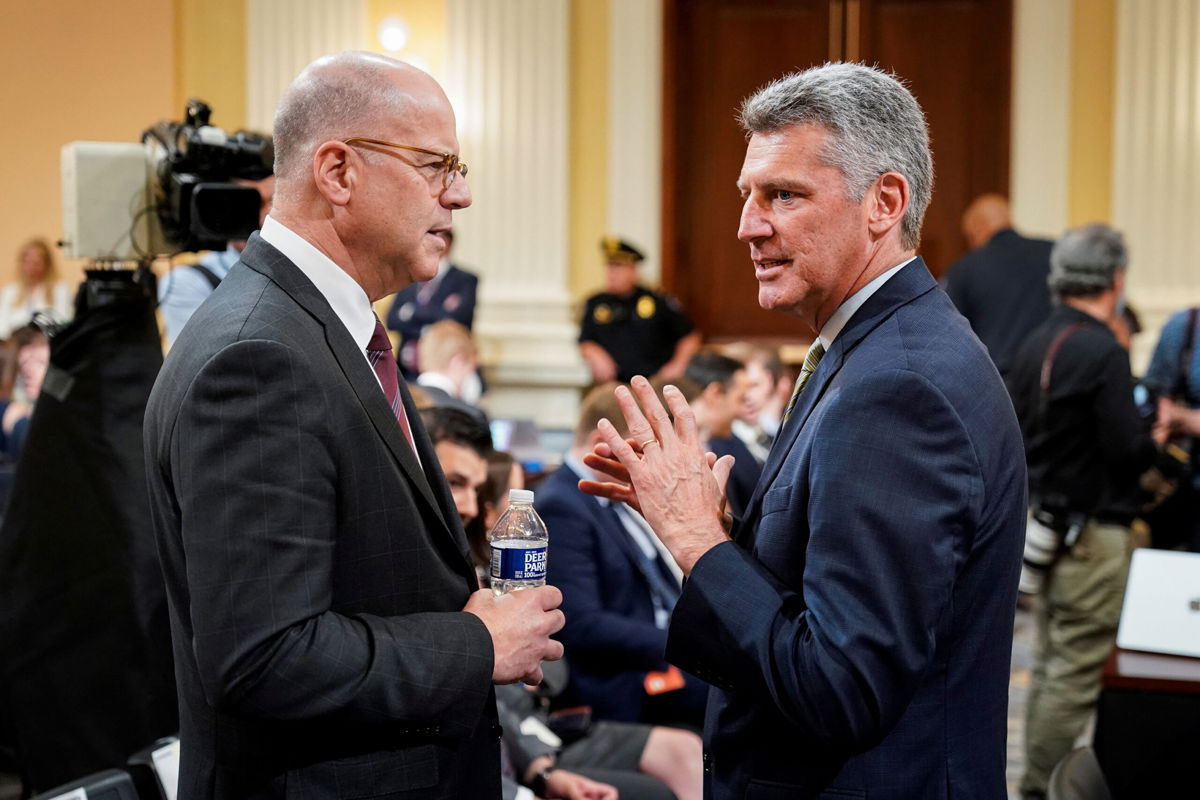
(379, 353)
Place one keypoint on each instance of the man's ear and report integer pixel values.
(887, 200)
(335, 171)
(712, 393)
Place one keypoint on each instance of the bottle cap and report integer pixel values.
(520, 496)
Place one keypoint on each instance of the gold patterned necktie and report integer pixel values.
(810, 365)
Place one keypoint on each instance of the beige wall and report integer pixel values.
(1093, 74)
(589, 143)
(212, 58)
(73, 69)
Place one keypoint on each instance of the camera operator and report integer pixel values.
(1086, 446)
(182, 291)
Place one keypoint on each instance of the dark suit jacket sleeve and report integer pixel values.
(889, 504)
(593, 632)
(467, 288)
(254, 459)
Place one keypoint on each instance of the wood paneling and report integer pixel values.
(954, 54)
(956, 57)
(718, 53)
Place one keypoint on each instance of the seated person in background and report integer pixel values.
(619, 586)
(630, 330)
(503, 473)
(450, 373)
(32, 361)
(768, 389)
(448, 295)
(636, 759)
(722, 382)
(37, 288)
(184, 288)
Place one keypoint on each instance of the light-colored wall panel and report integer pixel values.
(1156, 170)
(589, 142)
(73, 70)
(1041, 115)
(283, 36)
(506, 73)
(635, 127)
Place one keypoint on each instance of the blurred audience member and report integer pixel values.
(607, 756)
(722, 381)
(462, 443)
(768, 388)
(1174, 376)
(37, 288)
(1000, 285)
(186, 286)
(32, 360)
(448, 295)
(503, 473)
(630, 330)
(619, 586)
(450, 367)
(1086, 446)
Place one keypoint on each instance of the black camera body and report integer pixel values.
(198, 203)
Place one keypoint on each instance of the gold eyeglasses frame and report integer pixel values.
(451, 164)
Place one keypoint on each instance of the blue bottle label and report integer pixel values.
(519, 563)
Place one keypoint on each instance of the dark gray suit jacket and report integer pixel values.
(315, 571)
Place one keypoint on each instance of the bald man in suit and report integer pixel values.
(329, 637)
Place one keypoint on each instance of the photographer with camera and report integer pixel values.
(1173, 381)
(1085, 446)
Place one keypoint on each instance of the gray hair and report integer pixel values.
(1085, 261)
(875, 126)
(336, 97)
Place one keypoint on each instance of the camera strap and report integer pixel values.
(1048, 365)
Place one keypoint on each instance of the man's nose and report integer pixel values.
(470, 507)
(457, 194)
(753, 224)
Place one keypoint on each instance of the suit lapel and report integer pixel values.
(262, 257)
(905, 286)
(445, 503)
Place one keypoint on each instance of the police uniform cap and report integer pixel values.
(616, 249)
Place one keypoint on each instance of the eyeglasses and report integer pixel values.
(451, 165)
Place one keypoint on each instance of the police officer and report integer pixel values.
(630, 330)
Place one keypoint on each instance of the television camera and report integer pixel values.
(175, 191)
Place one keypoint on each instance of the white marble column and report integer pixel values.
(507, 72)
(1156, 164)
(283, 36)
(635, 127)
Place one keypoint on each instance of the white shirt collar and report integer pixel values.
(833, 326)
(347, 299)
(438, 381)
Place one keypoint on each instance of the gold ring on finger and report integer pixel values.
(649, 441)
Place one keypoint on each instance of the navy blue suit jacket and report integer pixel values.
(858, 630)
(610, 638)
(453, 298)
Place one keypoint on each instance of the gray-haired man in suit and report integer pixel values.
(329, 638)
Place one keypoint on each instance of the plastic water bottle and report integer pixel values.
(518, 542)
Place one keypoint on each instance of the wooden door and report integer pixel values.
(718, 52)
(954, 55)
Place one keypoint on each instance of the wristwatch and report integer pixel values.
(538, 784)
